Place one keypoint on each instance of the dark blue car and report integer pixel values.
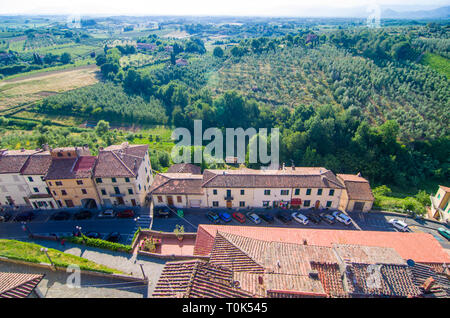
(224, 216)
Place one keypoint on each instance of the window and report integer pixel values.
(48, 190)
(103, 192)
(308, 191)
(130, 191)
(242, 192)
(63, 192)
(69, 203)
(242, 203)
(266, 203)
(50, 184)
(266, 192)
(54, 192)
(59, 154)
(30, 179)
(36, 189)
(58, 183)
(79, 182)
(215, 192)
(59, 203)
(98, 180)
(139, 187)
(319, 191)
(117, 190)
(284, 192)
(216, 203)
(160, 198)
(179, 199)
(307, 203)
(127, 179)
(297, 191)
(83, 191)
(113, 180)
(331, 192)
(148, 179)
(42, 179)
(328, 204)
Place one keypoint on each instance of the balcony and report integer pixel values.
(228, 198)
(116, 195)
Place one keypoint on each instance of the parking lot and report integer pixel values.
(43, 223)
(193, 217)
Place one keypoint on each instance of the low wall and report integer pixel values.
(84, 272)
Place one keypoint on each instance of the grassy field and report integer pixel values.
(31, 252)
(25, 89)
(438, 63)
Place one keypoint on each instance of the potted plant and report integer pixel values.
(179, 231)
(148, 245)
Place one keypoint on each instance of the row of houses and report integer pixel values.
(71, 177)
(183, 186)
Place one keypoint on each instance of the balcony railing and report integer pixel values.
(228, 198)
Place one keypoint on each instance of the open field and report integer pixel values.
(30, 88)
(438, 63)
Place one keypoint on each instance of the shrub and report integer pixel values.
(99, 243)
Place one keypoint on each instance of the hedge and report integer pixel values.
(99, 243)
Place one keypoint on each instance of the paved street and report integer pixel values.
(43, 224)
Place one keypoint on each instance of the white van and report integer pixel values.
(399, 225)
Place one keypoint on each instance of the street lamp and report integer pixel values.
(45, 250)
(78, 230)
(26, 229)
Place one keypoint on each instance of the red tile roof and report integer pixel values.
(357, 187)
(71, 168)
(197, 279)
(301, 177)
(446, 189)
(37, 164)
(177, 183)
(421, 247)
(12, 161)
(185, 168)
(120, 160)
(18, 285)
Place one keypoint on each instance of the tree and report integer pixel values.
(102, 127)
(218, 52)
(66, 58)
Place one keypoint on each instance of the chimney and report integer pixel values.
(260, 280)
(100, 148)
(359, 174)
(314, 274)
(305, 242)
(428, 284)
(22, 149)
(278, 264)
(284, 167)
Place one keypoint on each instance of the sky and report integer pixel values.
(209, 7)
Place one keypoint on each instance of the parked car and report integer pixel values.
(82, 215)
(313, 218)
(24, 216)
(224, 216)
(5, 217)
(267, 217)
(125, 214)
(252, 216)
(327, 218)
(107, 214)
(284, 217)
(161, 212)
(341, 217)
(213, 217)
(94, 235)
(300, 218)
(444, 232)
(113, 237)
(60, 216)
(238, 216)
(399, 225)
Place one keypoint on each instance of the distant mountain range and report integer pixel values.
(439, 13)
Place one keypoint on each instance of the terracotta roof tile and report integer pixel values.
(357, 187)
(250, 178)
(37, 164)
(185, 168)
(18, 285)
(71, 168)
(177, 183)
(12, 161)
(421, 247)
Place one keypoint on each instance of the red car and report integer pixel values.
(239, 217)
(125, 214)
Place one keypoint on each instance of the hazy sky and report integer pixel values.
(206, 7)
